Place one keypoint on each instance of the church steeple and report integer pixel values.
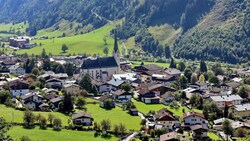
(116, 53)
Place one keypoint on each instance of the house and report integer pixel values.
(228, 100)
(199, 131)
(173, 72)
(105, 97)
(167, 98)
(163, 79)
(218, 123)
(122, 96)
(44, 107)
(167, 119)
(148, 68)
(199, 85)
(125, 66)
(102, 86)
(242, 110)
(18, 41)
(18, 88)
(148, 97)
(17, 69)
(54, 102)
(127, 77)
(114, 84)
(54, 83)
(133, 112)
(173, 136)
(102, 68)
(82, 119)
(228, 87)
(61, 76)
(7, 63)
(32, 100)
(72, 89)
(194, 118)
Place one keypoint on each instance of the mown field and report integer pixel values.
(116, 116)
(12, 115)
(14, 27)
(137, 63)
(145, 108)
(90, 43)
(37, 134)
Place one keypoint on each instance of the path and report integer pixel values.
(131, 136)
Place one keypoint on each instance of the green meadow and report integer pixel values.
(37, 134)
(89, 43)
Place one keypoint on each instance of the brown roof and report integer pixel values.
(197, 127)
(162, 115)
(81, 115)
(152, 67)
(169, 136)
(104, 97)
(233, 84)
(121, 92)
(18, 84)
(192, 113)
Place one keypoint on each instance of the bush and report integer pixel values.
(57, 124)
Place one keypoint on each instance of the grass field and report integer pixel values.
(18, 27)
(6, 35)
(49, 135)
(213, 136)
(90, 43)
(116, 116)
(145, 108)
(137, 63)
(12, 115)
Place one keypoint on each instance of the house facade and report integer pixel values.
(18, 88)
(17, 70)
(72, 89)
(194, 118)
(82, 119)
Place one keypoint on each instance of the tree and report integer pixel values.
(106, 125)
(43, 122)
(109, 104)
(50, 118)
(227, 128)
(194, 78)
(242, 92)
(214, 79)
(202, 78)
(4, 95)
(203, 66)
(241, 133)
(4, 128)
(25, 138)
(106, 51)
(28, 118)
(60, 69)
(126, 87)
(35, 71)
(57, 124)
(183, 81)
(43, 54)
(172, 63)
(226, 111)
(181, 66)
(167, 51)
(188, 73)
(206, 110)
(68, 104)
(69, 69)
(86, 83)
(80, 102)
(64, 48)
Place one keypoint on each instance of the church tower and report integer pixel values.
(116, 53)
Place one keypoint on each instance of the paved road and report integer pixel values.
(130, 137)
(141, 115)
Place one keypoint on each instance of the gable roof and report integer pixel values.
(152, 67)
(81, 115)
(121, 92)
(104, 62)
(226, 98)
(169, 136)
(18, 84)
(115, 82)
(192, 113)
(173, 71)
(198, 127)
(233, 84)
(104, 97)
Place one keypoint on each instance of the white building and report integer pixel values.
(228, 100)
(194, 118)
(17, 69)
(18, 88)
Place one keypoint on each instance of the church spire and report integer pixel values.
(116, 43)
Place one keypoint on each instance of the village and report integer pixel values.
(179, 102)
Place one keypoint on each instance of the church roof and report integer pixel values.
(104, 62)
(115, 44)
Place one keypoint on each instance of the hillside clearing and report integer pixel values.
(90, 43)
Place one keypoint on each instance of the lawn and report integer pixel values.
(12, 115)
(89, 43)
(116, 116)
(213, 136)
(49, 135)
(145, 108)
(18, 27)
(137, 63)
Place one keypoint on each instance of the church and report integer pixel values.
(102, 68)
